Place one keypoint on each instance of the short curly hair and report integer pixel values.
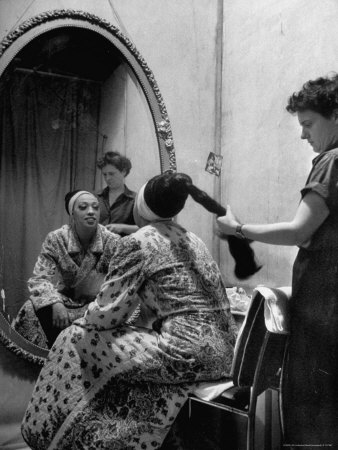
(122, 163)
(319, 95)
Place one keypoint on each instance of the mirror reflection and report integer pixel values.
(67, 98)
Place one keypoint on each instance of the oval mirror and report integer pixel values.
(72, 87)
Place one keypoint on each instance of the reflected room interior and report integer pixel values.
(66, 98)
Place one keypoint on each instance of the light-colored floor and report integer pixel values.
(17, 381)
(10, 437)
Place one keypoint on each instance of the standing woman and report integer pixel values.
(116, 200)
(310, 387)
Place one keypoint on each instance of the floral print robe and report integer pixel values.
(110, 385)
(65, 273)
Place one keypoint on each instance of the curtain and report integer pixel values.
(48, 146)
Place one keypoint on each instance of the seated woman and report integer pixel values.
(107, 384)
(69, 271)
(116, 200)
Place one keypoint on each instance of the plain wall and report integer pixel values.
(127, 125)
(270, 49)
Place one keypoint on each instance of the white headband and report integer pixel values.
(74, 198)
(143, 209)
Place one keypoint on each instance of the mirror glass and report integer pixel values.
(67, 95)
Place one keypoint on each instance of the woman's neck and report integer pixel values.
(114, 194)
(85, 237)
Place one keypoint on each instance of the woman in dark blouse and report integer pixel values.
(116, 200)
(310, 385)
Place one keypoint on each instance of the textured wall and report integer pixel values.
(268, 49)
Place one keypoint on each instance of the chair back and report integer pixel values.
(259, 353)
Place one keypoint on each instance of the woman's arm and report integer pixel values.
(311, 213)
(118, 298)
(43, 285)
(114, 305)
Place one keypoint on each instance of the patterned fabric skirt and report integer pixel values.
(112, 389)
(28, 324)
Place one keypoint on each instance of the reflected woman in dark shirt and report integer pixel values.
(116, 200)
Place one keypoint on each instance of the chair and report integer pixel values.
(257, 364)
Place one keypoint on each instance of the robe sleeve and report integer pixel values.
(44, 284)
(118, 299)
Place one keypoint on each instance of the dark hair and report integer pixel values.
(70, 194)
(166, 195)
(319, 95)
(122, 163)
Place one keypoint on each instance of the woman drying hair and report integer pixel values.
(180, 185)
(310, 385)
(108, 384)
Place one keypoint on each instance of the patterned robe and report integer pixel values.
(65, 273)
(110, 385)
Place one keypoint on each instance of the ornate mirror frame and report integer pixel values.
(15, 41)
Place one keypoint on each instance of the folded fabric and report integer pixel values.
(276, 321)
(276, 308)
(210, 390)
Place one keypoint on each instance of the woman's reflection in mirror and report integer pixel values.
(70, 268)
(116, 200)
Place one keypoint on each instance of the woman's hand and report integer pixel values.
(227, 224)
(60, 316)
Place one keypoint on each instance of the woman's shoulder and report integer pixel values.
(129, 193)
(167, 227)
(333, 153)
(174, 232)
(151, 232)
(326, 157)
(107, 236)
(102, 192)
(325, 164)
(57, 239)
(62, 232)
